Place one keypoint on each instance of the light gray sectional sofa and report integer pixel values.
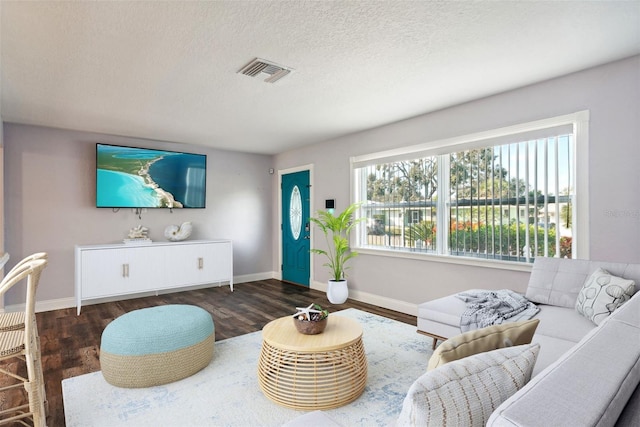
(593, 384)
(585, 375)
(587, 372)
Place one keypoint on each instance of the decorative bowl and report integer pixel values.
(310, 327)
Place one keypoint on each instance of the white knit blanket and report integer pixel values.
(486, 308)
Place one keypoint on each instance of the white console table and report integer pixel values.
(105, 271)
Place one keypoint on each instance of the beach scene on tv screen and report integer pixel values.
(145, 178)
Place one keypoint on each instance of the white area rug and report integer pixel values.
(226, 393)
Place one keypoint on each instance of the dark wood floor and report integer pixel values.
(70, 344)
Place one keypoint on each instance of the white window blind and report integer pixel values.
(506, 195)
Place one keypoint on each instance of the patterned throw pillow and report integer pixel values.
(481, 340)
(601, 294)
(465, 392)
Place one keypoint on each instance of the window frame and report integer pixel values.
(579, 123)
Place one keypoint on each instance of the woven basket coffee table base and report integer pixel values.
(313, 379)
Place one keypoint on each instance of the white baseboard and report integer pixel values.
(62, 303)
(47, 305)
(380, 301)
(54, 304)
(253, 277)
(366, 297)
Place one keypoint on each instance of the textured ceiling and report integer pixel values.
(168, 70)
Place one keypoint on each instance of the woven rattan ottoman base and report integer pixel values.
(156, 345)
(310, 372)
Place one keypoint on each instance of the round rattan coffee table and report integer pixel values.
(312, 372)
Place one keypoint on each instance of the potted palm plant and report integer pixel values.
(336, 230)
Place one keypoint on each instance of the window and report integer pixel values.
(504, 195)
(415, 216)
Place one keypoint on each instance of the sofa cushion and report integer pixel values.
(563, 323)
(551, 349)
(558, 281)
(446, 310)
(467, 391)
(589, 385)
(601, 294)
(482, 340)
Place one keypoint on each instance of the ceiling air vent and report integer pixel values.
(264, 69)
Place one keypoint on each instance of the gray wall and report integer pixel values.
(49, 189)
(611, 93)
(50, 204)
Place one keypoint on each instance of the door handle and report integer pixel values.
(125, 270)
(200, 263)
(307, 237)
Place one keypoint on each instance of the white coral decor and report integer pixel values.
(138, 232)
(176, 233)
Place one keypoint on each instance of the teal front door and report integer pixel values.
(295, 228)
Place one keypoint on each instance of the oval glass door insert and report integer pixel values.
(295, 212)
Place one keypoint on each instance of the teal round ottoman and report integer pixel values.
(156, 345)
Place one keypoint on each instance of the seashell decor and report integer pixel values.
(176, 233)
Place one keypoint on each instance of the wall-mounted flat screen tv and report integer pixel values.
(129, 177)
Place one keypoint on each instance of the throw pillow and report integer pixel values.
(601, 294)
(465, 392)
(481, 340)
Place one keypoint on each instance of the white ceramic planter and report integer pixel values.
(337, 292)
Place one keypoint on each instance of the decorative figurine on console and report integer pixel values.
(138, 235)
(175, 233)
